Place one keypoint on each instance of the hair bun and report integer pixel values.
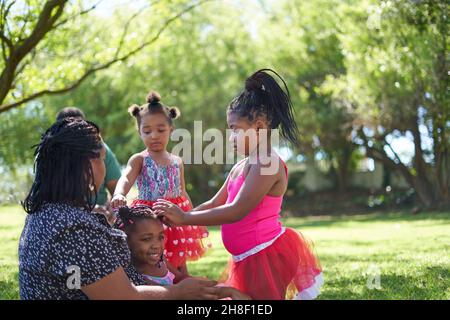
(123, 217)
(124, 211)
(174, 112)
(153, 97)
(133, 110)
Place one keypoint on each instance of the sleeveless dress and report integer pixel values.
(164, 182)
(269, 261)
(167, 280)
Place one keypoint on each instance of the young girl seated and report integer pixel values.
(146, 239)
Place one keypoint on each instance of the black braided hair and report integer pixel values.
(70, 112)
(263, 96)
(153, 105)
(63, 171)
(128, 216)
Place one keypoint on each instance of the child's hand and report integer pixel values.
(230, 292)
(171, 213)
(118, 200)
(107, 212)
(194, 289)
(238, 295)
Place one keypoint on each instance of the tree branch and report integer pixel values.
(125, 30)
(103, 66)
(381, 156)
(44, 24)
(393, 151)
(5, 40)
(79, 14)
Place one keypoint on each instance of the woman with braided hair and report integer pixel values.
(68, 252)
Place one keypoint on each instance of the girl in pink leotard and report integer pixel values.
(268, 260)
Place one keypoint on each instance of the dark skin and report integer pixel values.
(117, 285)
(256, 185)
(154, 131)
(146, 242)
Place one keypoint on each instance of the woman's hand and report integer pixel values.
(105, 210)
(171, 213)
(117, 285)
(118, 200)
(230, 292)
(195, 289)
(238, 295)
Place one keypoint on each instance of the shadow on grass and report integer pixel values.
(326, 221)
(433, 284)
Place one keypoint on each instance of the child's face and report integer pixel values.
(244, 136)
(146, 242)
(155, 131)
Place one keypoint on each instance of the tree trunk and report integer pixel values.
(424, 188)
(343, 168)
(342, 174)
(418, 183)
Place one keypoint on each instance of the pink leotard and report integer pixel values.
(259, 226)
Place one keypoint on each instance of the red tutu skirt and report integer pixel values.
(286, 269)
(185, 243)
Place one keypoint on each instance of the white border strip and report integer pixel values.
(313, 291)
(258, 248)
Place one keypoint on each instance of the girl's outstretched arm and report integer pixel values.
(117, 286)
(255, 187)
(126, 181)
(219, 199)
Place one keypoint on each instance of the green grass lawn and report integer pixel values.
(411, 253)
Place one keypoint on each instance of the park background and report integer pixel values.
(369, 80)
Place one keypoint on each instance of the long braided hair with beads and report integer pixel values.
(263, 97)
(63, 171)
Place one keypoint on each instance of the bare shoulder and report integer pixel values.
(273, 166)
(136, 159)
(237, 168)
(177, 159)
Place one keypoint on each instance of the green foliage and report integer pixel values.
(78, 42)
(396, 85)
(361, 73)
(392, 62)
(307, 53)
(195, 66)
(19, 131)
